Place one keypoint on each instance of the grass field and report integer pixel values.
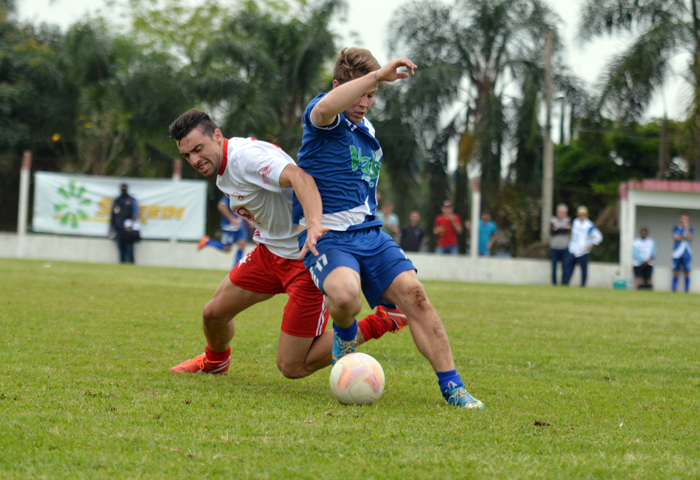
(577, 384)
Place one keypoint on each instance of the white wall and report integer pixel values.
(518, 271)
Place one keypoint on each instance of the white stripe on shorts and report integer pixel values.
(321, 317)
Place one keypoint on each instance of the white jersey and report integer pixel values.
(643, 250)
(249, 176)
(583, 236)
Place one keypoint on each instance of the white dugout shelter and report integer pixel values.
(656, 205)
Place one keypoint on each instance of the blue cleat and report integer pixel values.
(342, 348)
(459, 397)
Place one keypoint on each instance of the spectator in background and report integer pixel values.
(682, 250)
(412, 235)
(559, 231)
(124, 224)
(389, 219)
(233, 229)
(488, 233)
(584, 236)
(447, 226)
(644, 252)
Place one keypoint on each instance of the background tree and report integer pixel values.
(662, 29)
(264, 67)
(467, 52)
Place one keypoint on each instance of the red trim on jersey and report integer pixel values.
(224, 160)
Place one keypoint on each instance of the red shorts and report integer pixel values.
(305, 314)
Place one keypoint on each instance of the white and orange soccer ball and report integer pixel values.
(357, 379)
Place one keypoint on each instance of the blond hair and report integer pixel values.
(353, 63)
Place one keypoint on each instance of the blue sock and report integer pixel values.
(448, 380)
(346, 334)
(239, 255)
(687, 284)
(674, 284)
(215, 244)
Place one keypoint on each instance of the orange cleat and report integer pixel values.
(203, 242)
(200, 364)
(396, 315)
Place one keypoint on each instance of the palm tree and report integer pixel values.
(468, 52)
(663, 29)
(264, 68)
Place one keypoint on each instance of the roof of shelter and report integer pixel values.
(659, 185)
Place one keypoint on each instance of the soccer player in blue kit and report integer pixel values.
(682, 250)
(233, 229)
(340, 151)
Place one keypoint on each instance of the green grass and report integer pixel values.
(577, 384)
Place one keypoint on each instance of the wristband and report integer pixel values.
(315, 223)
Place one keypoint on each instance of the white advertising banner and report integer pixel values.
(82, 204)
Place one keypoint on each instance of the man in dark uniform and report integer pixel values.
(125, 213)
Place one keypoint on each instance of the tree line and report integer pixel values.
(98, 98)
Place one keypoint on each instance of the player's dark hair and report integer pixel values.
(190, 120)
(353, 63)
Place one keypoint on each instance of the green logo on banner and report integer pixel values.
(70, 212)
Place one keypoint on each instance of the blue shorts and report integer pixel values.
(228, 237)
(682, 263)
(370, 252)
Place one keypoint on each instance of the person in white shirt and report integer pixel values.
(258, 177)
(584, 236)
(644, 252)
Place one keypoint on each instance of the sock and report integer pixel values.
(674, 284)
(687, 284)
(217, 356)
(346, 334)
(215, 244)
(373, 327)
(239, 255)
(449, 380)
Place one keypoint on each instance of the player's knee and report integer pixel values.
(213, 316)
(291, 370)
(418, 299)
(347, 301)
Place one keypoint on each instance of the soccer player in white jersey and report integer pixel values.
(340, 151)
(258, 178)
(682, 250)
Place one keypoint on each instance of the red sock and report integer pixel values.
(218, 356)
(373, 326)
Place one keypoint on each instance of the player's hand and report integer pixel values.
(312, 235)
(389, 73)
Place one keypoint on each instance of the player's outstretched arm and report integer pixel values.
(343, 96)
(306, 191)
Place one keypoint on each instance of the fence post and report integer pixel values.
(23, 202)
(476, 206)
(177, 169)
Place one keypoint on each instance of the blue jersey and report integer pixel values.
(344, 158)
(680, 247)
(225, 224)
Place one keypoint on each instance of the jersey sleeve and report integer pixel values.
(262, 163)
(307, 117)
(595, 237)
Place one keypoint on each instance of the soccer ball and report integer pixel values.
(357, 379)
